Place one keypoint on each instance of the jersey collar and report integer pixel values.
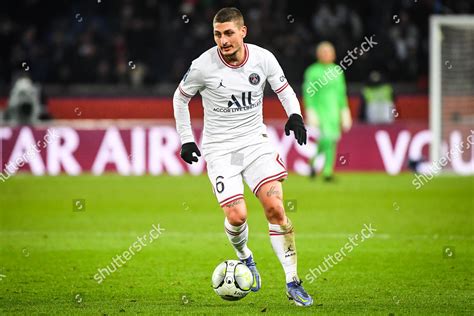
(234, 66)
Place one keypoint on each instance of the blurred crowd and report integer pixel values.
(151, 41)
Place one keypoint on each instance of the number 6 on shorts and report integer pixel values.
(219, 184)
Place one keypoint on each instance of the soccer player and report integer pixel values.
(325, 100)
(231, 78)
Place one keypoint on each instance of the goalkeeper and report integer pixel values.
(324, 96)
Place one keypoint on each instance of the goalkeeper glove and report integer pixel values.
(187, 151)
(295, 124)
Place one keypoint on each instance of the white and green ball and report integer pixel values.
(232, 280)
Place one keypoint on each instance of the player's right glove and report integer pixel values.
(187, 151)
(295, 124)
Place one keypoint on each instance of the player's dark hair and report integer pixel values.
(229, 14)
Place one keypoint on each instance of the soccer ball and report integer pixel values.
(232, 280)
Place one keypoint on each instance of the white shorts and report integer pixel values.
(256, 164)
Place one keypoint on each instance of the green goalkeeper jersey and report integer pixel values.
(324, 90)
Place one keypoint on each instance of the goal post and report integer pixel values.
(451, 87)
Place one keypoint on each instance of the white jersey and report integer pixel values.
(232, 97)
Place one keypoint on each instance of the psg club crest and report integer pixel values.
(254, 79)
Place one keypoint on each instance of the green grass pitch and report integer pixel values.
(420, 260)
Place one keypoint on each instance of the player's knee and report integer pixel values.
(235, 213)
(236, 219)
(275, 213)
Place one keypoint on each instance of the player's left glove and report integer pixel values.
(187, 151)
(295, 124)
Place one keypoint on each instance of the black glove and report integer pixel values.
(295, 124)
(187, 151)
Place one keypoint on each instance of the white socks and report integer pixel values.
(238, 236)
(283, 243)
(281, 237)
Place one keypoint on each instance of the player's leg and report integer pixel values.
(312, 120)
(237, 231)
(280, 227)
(282, 238)
(263, 176)
(330, 136)
(236, 228)
(226, 179)
(229, 192)
(320, 149)
(329, 146)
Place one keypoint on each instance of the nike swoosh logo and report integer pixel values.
(302, 299)
(254, 282)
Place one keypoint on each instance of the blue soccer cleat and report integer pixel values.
(257, 282)
(297, 293)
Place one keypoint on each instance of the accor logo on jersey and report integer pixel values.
(244, 104)
(237, 103)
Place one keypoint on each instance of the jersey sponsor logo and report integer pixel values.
(254, 79)
(237, 105)
(221, 85)
(236, 102)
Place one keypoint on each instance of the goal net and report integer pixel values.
(452, 92)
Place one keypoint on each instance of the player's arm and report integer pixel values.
(277, 80)
(309, 99)
(308, 91)
(346, 118)
(188, 87)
